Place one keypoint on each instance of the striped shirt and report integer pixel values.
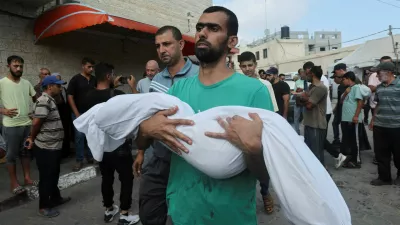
(163, 80)
(51, 132)
(161, 83)
(388, 108)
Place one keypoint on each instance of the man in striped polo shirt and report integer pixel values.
(46, 140)
(152, 194)
(386, 124)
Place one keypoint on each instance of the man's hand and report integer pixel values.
(355, 119)
(132, 81)
(117, 82)
(347, 90)
(30, 143)
(160, 128)
(244, 134)
(371, 125)
(10, 112)
(137, 164)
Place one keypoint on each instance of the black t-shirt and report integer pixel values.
(340, 90)
(78, 87)
(280, 89)
(94, 97)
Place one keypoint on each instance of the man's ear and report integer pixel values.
(181, 44)
(232, 42)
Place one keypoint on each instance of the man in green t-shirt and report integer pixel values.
(193, 197)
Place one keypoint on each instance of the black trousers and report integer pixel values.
(327, 145)
(153, 207)
(120, 161)
(349, 141)
(48, 163)
(386, 144)
(367, 108)
(336, 124)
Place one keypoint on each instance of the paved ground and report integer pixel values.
(369, 205)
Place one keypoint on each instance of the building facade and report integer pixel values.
(63, 53)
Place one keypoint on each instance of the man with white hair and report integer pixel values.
(152, 69)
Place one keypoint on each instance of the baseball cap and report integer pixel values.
(388, 66)
(340, 66)
(272, 70)
(52, 80)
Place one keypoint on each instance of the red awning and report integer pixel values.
(73, 16)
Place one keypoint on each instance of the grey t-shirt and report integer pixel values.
(315, 117)
(143, 85)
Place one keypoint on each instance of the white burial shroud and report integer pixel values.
(306, 191)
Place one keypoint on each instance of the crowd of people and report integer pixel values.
(171, 190)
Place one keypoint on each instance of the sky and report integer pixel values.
(354, 18)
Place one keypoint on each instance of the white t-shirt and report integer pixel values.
(271, 93)
(373, 81)
(328, 99)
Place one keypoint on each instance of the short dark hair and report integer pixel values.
(281, 74)
(261, 71)
(86, 60)
(350, 75)
(14, 58)
(308, 65)
(247, 56)
(317, 71)
(386, 58)
(176, 33)
(101, 70)
(298, 71)
(233, 23)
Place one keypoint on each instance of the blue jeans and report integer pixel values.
(298, 110)
(80, 144)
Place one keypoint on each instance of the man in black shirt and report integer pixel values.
(119, 160)
(78, 86)
(281, 90)
(338, 71)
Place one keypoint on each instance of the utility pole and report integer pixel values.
(394, 47)
(329, 44)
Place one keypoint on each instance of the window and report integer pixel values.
(265, 53)
(258, 55)
(310, 48)
(300, 36)
(322, 36)
(334, 48)
(322, 49)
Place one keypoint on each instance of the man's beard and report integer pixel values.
(210, 54)
(17, 74)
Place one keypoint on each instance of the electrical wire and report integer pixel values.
(387, 3)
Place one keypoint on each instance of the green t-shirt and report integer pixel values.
(350, 105)
(195, 198)
(16, 96)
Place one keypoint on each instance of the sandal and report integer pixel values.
(34, 183)
(268, 204)
(18, 190)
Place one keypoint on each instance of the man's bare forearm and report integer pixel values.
(256, 165)
(71, 102)
(285, 108)
(142, 141)
(36, 125)
(360, 105)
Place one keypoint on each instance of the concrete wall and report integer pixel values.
(63, 53)
(156, 12)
